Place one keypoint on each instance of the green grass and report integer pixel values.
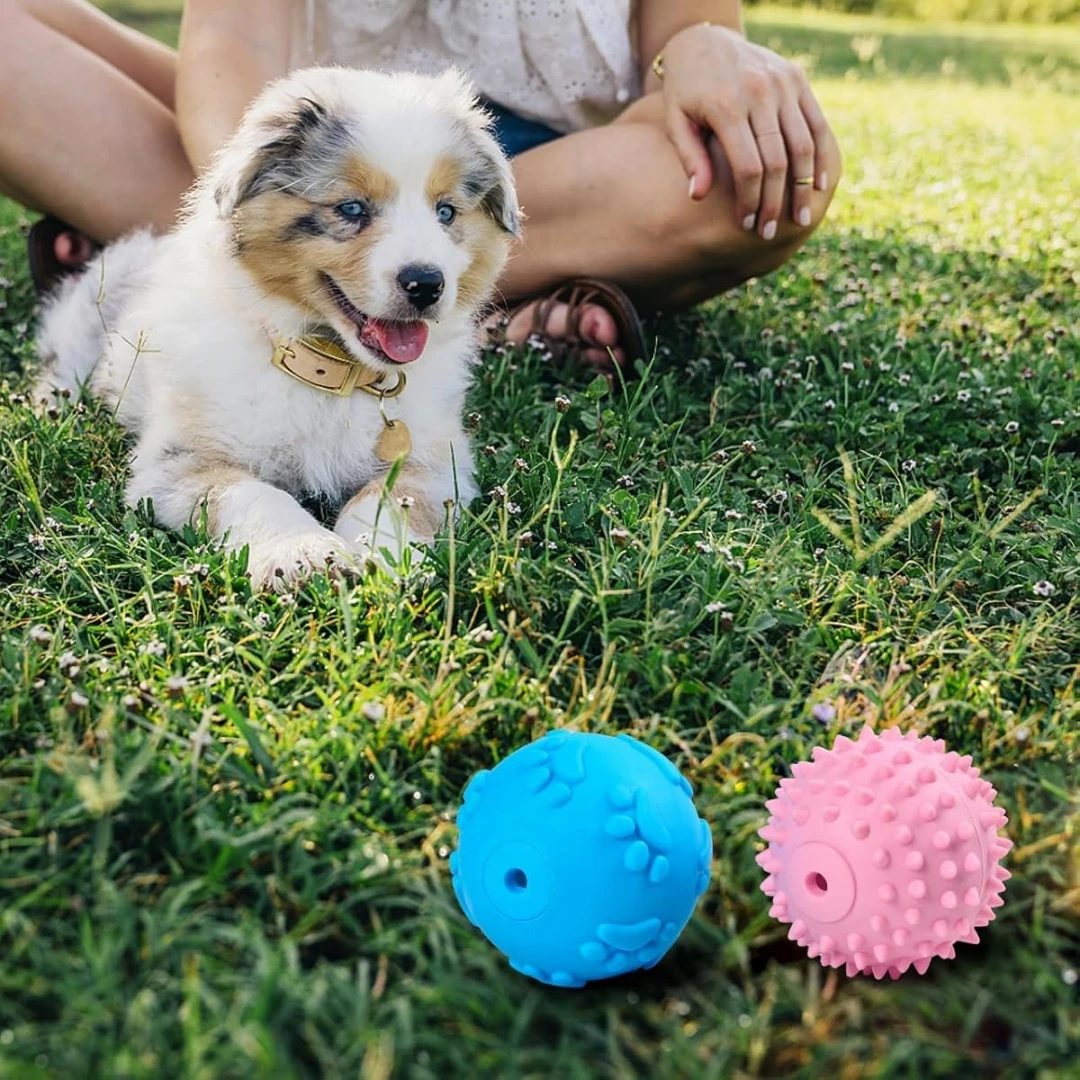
(225, 819)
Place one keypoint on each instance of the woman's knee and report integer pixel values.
(12, 14)
(14, 20)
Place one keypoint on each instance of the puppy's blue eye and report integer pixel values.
(352, 210)
(445, 213)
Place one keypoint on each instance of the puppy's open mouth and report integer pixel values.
(398, 342)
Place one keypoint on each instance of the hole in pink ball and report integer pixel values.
(817, 884)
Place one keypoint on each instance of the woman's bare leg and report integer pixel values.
(88, 132)
(612, 203)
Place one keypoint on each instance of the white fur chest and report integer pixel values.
(220, 393)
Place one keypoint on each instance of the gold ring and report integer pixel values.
(804, 181)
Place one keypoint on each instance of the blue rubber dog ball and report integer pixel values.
(581, 857)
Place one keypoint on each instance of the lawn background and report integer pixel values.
(225, 820)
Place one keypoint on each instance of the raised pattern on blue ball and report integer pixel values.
(605, 826)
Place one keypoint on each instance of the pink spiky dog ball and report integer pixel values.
(884, 852)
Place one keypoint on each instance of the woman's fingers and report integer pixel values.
(800, 150)
(744, 159)
(689, 142)
(770, 140)
(819, 131)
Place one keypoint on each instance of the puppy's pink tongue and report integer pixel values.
(403, 342)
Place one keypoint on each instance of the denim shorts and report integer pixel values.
(515, 134)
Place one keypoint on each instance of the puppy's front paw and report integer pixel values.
(281, 563)
(49, 399)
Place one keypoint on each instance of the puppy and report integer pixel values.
(310, 323)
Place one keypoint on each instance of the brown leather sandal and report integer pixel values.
(46, 269)
(578, 294)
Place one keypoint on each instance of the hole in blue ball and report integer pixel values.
(817, 884)
(516, 880)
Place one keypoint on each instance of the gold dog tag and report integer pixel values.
(394, 441)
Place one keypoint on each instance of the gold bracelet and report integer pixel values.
(658, 60)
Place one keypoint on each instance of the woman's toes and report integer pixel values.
(597, 325)
(73, 249)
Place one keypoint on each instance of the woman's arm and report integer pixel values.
(660, 20)
(229, 50)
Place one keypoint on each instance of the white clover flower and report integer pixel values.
(713, 607)
(152, 648)
(1043, 588)
(908, 465)
(40, 636)
(375, 711)
(176, 686)
(963, 395)
(1012, 427)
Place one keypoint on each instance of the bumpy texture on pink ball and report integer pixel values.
(884, 852)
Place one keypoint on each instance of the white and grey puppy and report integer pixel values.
(372, 212)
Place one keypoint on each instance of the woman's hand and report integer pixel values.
(761, 110)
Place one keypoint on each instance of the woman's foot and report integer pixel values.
(586, 321)
(56, 250)
(594, 326)
(73, 249)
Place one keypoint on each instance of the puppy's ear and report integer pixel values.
(490, 179)
(278, 134)
(488, 175)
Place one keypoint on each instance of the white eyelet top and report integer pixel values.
(570, 64)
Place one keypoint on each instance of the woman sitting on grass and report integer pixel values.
(660, 157)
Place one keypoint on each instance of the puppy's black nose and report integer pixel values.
(423, 285)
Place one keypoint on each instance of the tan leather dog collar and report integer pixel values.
(323, 365)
